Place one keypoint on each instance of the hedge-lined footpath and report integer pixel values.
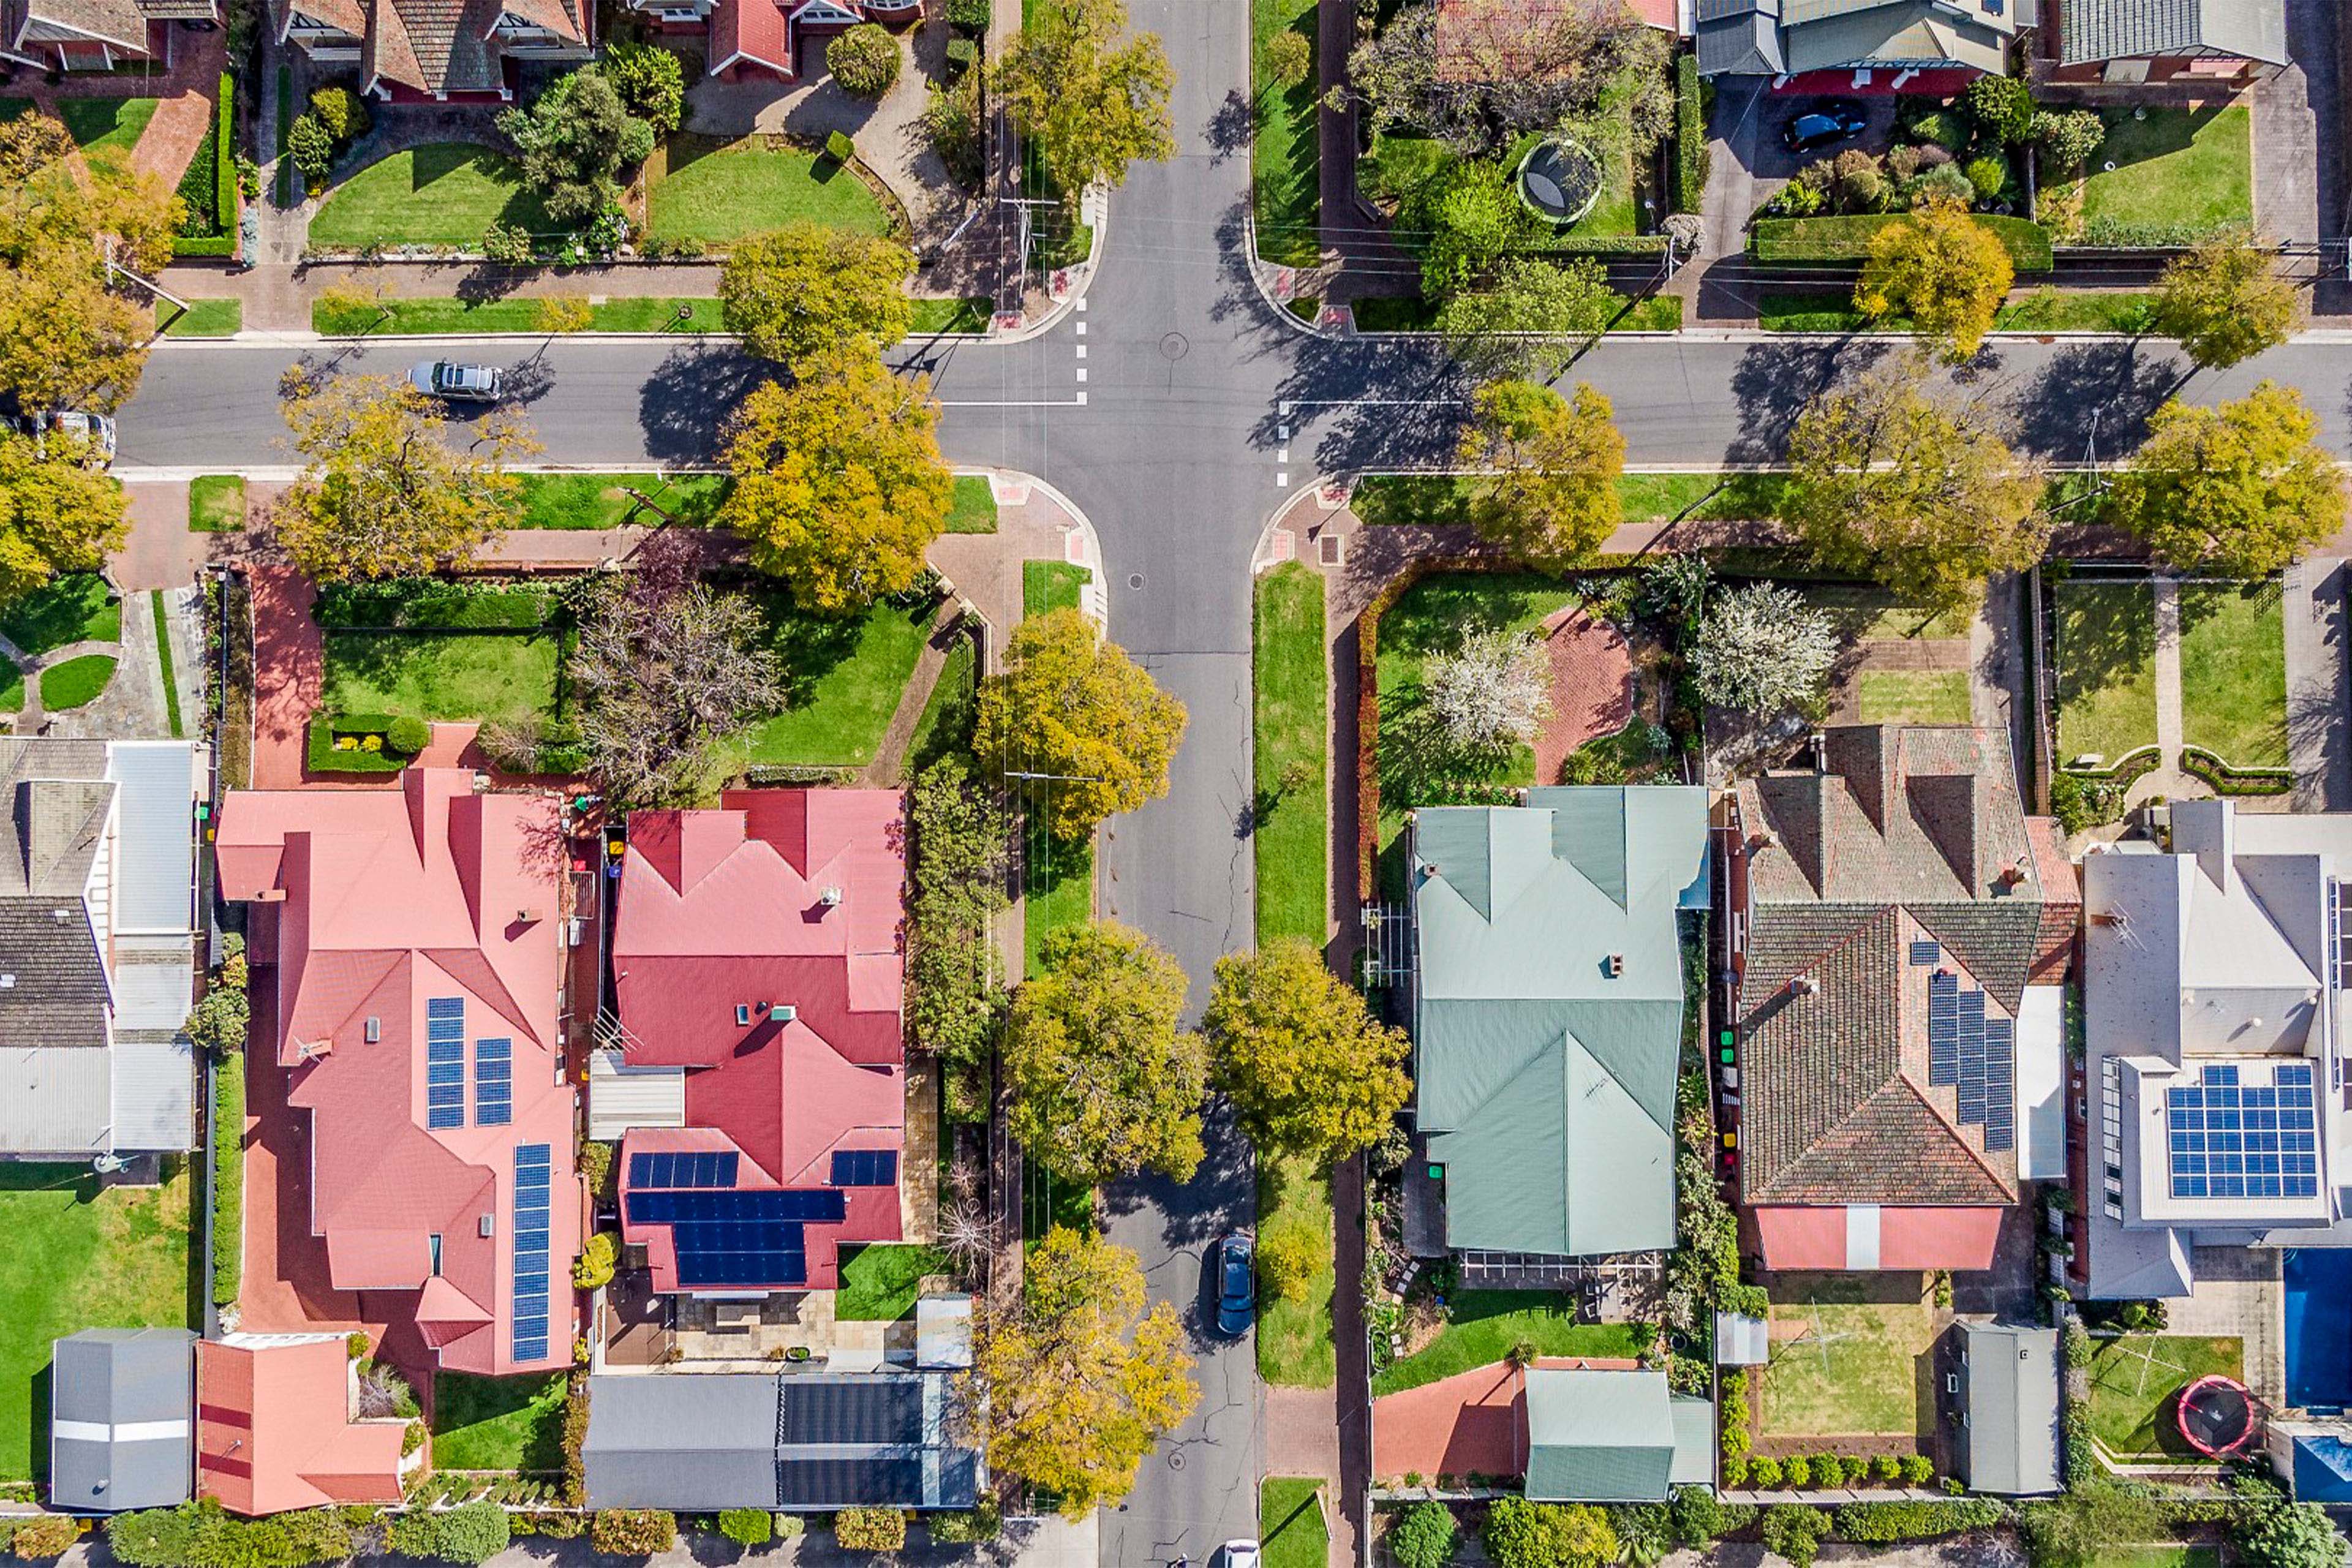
(1690, 137)
(2229, 779)
(1848, 239)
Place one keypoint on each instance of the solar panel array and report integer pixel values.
(866, 1168)
(726, 1236)
(493, 1083)
(444, 1062)
(874, 1412)
(819, 1204)
(2235, 1139)
(1926, 955)
(535, 1177)
(1974, 1056)
(847, 1483)
(687, 1169)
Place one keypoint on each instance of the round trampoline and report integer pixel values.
(1560, 180)
(2217, 1417)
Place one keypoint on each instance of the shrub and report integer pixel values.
(863, 60)
(470, 1532)
(963, 54)
(746, 1526)
(1287, 1256)
(2069, 138)
(1424, 1537)
(408, 735)
(1941, 129)
(1796, 1472)
(343, 112)
(969, 17)
(1887, 1468)
(1793, 1532)
(596, 1167)
(1986, 176)
(1523, 1534)
(1690, 137)
(45, 1535)
(1944, 182)
(592, 1269)
(1917, 1469)
(2001, 105)
(870, 1528)
(1857, 182)
(969, 1527)
(632, 1532)
(1764, 1472)
(650, 81)
(1879, 1523)
(1735, 1470)
(839, 147)
(311, 146)
(1700, 1516)
(507, 243)
(1288, 57)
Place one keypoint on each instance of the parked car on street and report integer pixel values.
(1839, 120)
(457, 382)
(1237, 1283)
(91, 433)
(1240, 1554)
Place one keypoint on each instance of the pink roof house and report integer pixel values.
(756, 950)
(416, 938)
(276, 1429)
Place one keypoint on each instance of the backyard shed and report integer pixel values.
(2011, 1409)
(120, 1436)
(1598, 1435)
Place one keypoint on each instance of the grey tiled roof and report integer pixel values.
(2125, 29)
(52, 988)
(1741, 45)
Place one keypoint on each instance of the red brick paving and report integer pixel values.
(1469, 1422)
(1591, 686)
(290, 673)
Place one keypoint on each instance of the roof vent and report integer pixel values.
(61, 914)
(1804, 985)
(742, 1015)
(784, 1011)
(831, 899)
(7, 983)
(373, 1032)
(489, 1226)
(1613, 966)
(529, 916)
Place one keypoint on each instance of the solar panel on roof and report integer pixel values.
(866, 1168)
(534, 1169)
(863, 1412)
(444, 1062)
(847, 1483)
(820, 1205)
(1943, 1023)
(1924, 954)
(493, 1083)
(2228, 1139)
(2000, 1087)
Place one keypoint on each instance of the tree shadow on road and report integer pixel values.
(2111, 383)
(684, 406)
(1774, 382)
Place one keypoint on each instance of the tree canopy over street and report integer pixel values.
(1073, 705)
(1090, 97)
(1551, 496)
(1309, 1068)
(1941, 270)
(2241, 489)
(798, 294)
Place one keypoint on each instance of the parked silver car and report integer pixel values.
(457, 382)
(91, 435)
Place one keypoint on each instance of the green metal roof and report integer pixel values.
(1612, 1436)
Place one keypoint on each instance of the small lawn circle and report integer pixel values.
(75, 682)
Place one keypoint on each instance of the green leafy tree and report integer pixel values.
(1288, 56)
(803, 292)
(1289, 1255)
(1103, 1082)
(2225, 304)
(863, 60)
(2001, 105)
(1886, 480)
(2241, 489)
(1944, 270)
(879, 1530)
(2079, 1530)
(2069, 136)
(2291, 1535)
(55, 515)
(1472, 215)
(218, 1026)
(1552, 463)
(1523, 1534)
(1089, 97)
(650, 81)
(839, 488)
(470, 1532)
(1424, 1537)
(1530, 316)
(1793, 1532)
(1308, 1069)
(955, 981)
(1075, 706)
(746, 1527)
(575, 139)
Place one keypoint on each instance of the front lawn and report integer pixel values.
(2178, 169)
(1050, 585)
(1861, 612)
(498, 1423)
(80, 1257)
(603, 500)
(2106, 652)
(1291, 1532)
(441, 675)
(215, 503)
(77, 682)
(1843, 1366)
(842, 679)
(1483, 1325)
(973, 509)
(202, 319)
(1294, 1338)
(515, 313)
(1290, 828)
(2134, 1383)
(703, 188)
(2233, 672)
(105, 124)
(1060, 892)
(1286, 161)
(1915, 697)
(880, 1282)
(78, 607)
(442, 193)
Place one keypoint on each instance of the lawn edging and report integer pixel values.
(2230, 779)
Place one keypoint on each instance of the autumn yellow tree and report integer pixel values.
(1081, 1382)
(1088, 95)
(1308, 1069)
(2225, 302)
(1073, 706)
(803, 292)
(383, 493)
(55, 516)
(1941, 269)
(2243, 488)
(1550, 496)
(838, 484)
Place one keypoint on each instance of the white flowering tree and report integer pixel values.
(1491, 693)
(1762, 649)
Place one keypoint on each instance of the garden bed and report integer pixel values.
(341, 743)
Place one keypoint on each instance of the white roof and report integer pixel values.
(157, 791)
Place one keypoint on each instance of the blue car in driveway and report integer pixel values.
(1236, 1284)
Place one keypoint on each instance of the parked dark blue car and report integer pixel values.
(1839, 120)
(1237, 1283)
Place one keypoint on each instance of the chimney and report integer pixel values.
(831, 899)
(1613, 966)
(1804, 985)
(527, 915)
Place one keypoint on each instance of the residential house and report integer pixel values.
(1898, 928)
(97, 947)
(1613, 1436)
(409, 948)
(119, 1429)
(1860, 45)
(435, 51)
(2214, 1008)
(2218, 45)
(758, 967)
(97, 35)
(782, 38)
(1547, 1013)
(279, 1428)
(2010, 1409)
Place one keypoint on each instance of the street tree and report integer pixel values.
(2241, 489)
(1530, 318)
(383, 493)
(955, 981)
(1309, 1070)
(1490, 694)
(1288, 56)
(1087, 725)
(1551, 465)
(1941, 269)
(1762, 649)
(575, 139)
(55, 514)
(1889, 482)
(838, 485)
(1103, 1082)
(2225, 304)
(1082, 1382)
(802, 292)
(1088, 95)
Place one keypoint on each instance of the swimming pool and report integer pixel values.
(2319, 1327)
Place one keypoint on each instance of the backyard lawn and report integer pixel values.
(702, 188)
(879, 1282)
(842, 679)
(80, 1257)
(2233, 671)
(603, 500)
(215, 503)
(973, 509)
(631, 313)
(1294, 1338)
(1291, 1532)
(1842, 1366)
(1915, 697)
(1286, 164)
(75, 682)
(2180, 167)
(498, 1423)
(2107, 668)
(1290, 831)
(2134, 1380)
(441, 675)
(1483, 1325)
(105, 124)
(1050, 585)
(445, 192)
(78, 608)
(202, 319)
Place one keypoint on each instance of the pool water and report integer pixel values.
(2319, 1327)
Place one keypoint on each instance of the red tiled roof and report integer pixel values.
(1498, 40)
(756, 31)
(1910, 1239)
(274, 1429)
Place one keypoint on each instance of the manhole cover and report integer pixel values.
(1174, 346)
(1134, 579)
(1175, 1458)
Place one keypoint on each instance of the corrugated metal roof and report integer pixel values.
(53, 1099)
(154, 1096)
(121, 1404)
(1599, 1436)
(621, 1098)
(155, 870)
(154, 978)
(1914, 35)
(691, 1440)
(2127, 29)
(2013, 1443)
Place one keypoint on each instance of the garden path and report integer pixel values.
(1591, 687)
(174, 134)
(2166, 778)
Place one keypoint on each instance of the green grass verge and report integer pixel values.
(1291, 1532)
(78, 607)
(202, 319)
(716, 190)
(163, 655)
(1848, 239)
(1294, 1338)
(1285, 159)
(2233, 672)
(967, 315)
(2105, 653)
(498, 1423)
(215, 503)
(603, 500)
(2136, 1382)
(1413, 313)
(1382, 500)
(1915, 697)
(12, 689)
(2043, 311)
(2169, 1554)
(1048, 1202)
(228, 1179)
(1050, 585)
(973, 509)
(880, 1282)
(2176, 169)
(105, 124)
(441, 675)
(515, 314)
(80, 1257)
(77, 682)
(442, 193)
(1061, 892)
(1483, 1325)
(945, 729)
(1291, 831)
(842, 680)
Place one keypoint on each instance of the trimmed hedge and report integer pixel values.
(1609, 245)
(2124, 769)
(1784, 239)
(323, 757)
(215, 163)
(228, 1179)
(2229, 779)
(1690, 137)
(414, 604)
(1881, 1523)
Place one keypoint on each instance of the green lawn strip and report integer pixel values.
(879, 1282)
(715, 191)
(2106, 652)
(215, 503)
(498, 1423)
(2043, 311)
(441, 675)
(444, 193)
(75, 682)
(1294, 1338)
(1291, 1532)
(79, 1257)
(105, 124)
(78, 607)
(202, 319)
(1050, 585)
(2175, 168)
(2169, 1554)
(1061, 892)
(1291, 830)
(1438, 498)
(514, 314)
(973, 510)
(228, 1179)
(1483, 1325)
(1286, 161)
(12, 689)
(945, 727)
(2233, 672)
(967, 315)
(842, 679)
(2134, 1381)
(1915, 697)
(163, 655)
(1413, 313)
(603, 500)
(1842, 1364)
